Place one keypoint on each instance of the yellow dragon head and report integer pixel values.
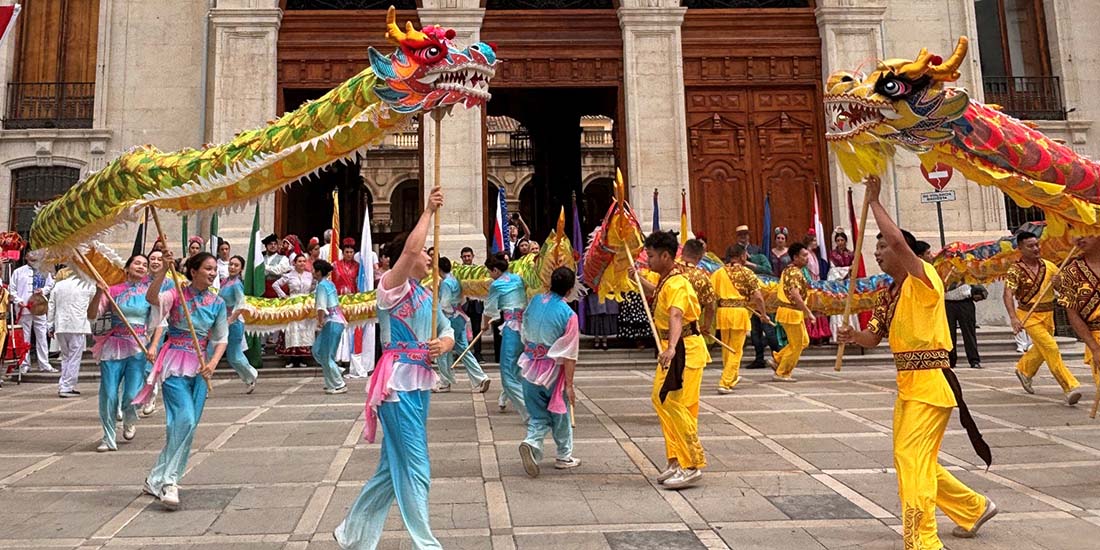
(902, 102)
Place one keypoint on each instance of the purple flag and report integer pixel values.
(578, 246)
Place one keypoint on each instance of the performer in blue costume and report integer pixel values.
(178, 367)
(450, 302)
(398, 397)
(331, 322)
(507, 297)
(232, 292)
(121, 360)
(551, 338)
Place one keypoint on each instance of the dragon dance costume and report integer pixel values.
(1079, 289)
(232, 292)
(177, 369)
(551, 335)
(734, 286)
(914, 319)
(507, 298)
(792, 319)
(1040, 326)
(398, 397)
(450, 299)
(327, 342)
(121, 361)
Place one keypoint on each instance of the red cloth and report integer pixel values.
(344, 276)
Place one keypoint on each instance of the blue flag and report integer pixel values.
(578, 245)
(766, 244)
(656, 213)
(500, 230)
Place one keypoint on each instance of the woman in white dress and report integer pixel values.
(296, 344)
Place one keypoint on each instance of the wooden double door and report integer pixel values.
(750, 143)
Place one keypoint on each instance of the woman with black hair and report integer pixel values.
(331, 322)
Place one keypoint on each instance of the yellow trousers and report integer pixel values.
(679, 417)
(922, 483)
(731, 361)
(1088, 360)
(797, 340)
(1044, 348)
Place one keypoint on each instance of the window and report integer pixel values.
(1015, 59)
(292, 5)
(37, 185)
(549, 4)
(405, 206)
(1017, 215)
(727, 4)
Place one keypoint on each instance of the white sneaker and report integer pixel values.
(251, 388)
(129, 431)
(1073, 396)
(1025, 382)
(724, 390)
(334, 391)
(527, 455)
(484, 386)
(683, 478)
(118, 415)
(670, 471)
(170, 497)
(103, 447)
(149, 408)
(990, 511)
(567, 463)
(24, 369)
(777, 378)
(47, 368)
(442, 388)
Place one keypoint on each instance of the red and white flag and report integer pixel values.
(819, 231)
(7, 19)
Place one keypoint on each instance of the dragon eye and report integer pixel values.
(432, 51)
(895, 88)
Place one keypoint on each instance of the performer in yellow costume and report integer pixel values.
(914, 318)
(736, 286)
(680, 365)
(1079, 292)
(1023, 283)
(792, 313)
(690, 256)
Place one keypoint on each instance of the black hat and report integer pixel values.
(269, 239)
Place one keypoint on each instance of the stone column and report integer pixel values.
(462, 170)
(242, 88)
(656, 118)
(851, 34)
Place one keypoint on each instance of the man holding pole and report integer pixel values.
(1079, 292)
(1030, 282)
(551, 339)
(793, 312)
(450, 296)
(913, 318)
(679, 375)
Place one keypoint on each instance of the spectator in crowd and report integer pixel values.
(31, 286)
(292, 247)
(326, 248)
(961, 314)
(763, 335)
(275, 264)
(314, 251)
(779, 257)
(223, 262)
(923, 250)
(818, 329)
(68, 315)
(474, 309)
(296, 342)
(602, 319)
(840, 266)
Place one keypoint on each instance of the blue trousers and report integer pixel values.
(473, 369)
(541, 421)
(184, 398)
(324, 352)
(510, 349)
(404, 473)
(234, 353)
(130, 373)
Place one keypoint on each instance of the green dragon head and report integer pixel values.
(428, 71)
(902, 103)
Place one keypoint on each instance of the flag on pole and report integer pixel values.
(8, 14)
(819, 230)
(500, 228)
(362, 357)
(578, 246)
(212, 244)
(656, 212)
(139, 239)
(186, 235)
(253, 280)
(766, 243)
(334, 248)
(683, 217)
(861, 270)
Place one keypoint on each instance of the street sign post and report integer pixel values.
(939, 175)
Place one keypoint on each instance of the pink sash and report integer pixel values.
(409, 353)
(536, 364)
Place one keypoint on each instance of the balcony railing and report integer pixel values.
(50, 105)
(597, 137)
(1027, 97)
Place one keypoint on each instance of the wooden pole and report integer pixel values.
(182, 299)
(853, 275)
(721, 343)
(469, 347)
(94, 273)
(1046, 288)
(1096, 400)
(438, 117)
(645, 303)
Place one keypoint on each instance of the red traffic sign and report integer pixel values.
(938, 176)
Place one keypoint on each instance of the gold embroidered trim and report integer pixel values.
(922, 360)
(731, 302)
(689, 329)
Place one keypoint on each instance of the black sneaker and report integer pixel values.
(756, 365)
(975, 365)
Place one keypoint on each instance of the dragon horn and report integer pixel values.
(918, 67)
(620, 187)
(949, 70)
(393, 32)
(561, 223)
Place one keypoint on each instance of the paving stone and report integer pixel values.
(817, 507)
(786, 538)
(572, 541)
(653, 540)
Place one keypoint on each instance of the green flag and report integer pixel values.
(212, 244)
(185, 236)
(253, 279)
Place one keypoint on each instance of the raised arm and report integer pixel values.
(413, 252)
(891, 233)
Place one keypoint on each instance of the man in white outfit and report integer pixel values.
(27, 281)
(68, 316)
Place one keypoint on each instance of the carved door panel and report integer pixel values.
(746, 144)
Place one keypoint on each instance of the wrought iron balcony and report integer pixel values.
(1027, 97)
(50, 105)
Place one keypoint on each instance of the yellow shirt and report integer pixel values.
(1079, 289)
(915, 318)
(700, 282)
(734, 285)
(790, 280)
(1026, 287)
(676, 292)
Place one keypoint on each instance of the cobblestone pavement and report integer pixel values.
(792, 466)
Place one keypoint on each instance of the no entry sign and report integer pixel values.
(938, 176)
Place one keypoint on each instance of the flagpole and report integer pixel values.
(852, 276)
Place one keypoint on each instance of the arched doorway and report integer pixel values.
(597, 199)
(404, 207)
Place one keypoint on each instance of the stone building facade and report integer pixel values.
(183, 73)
